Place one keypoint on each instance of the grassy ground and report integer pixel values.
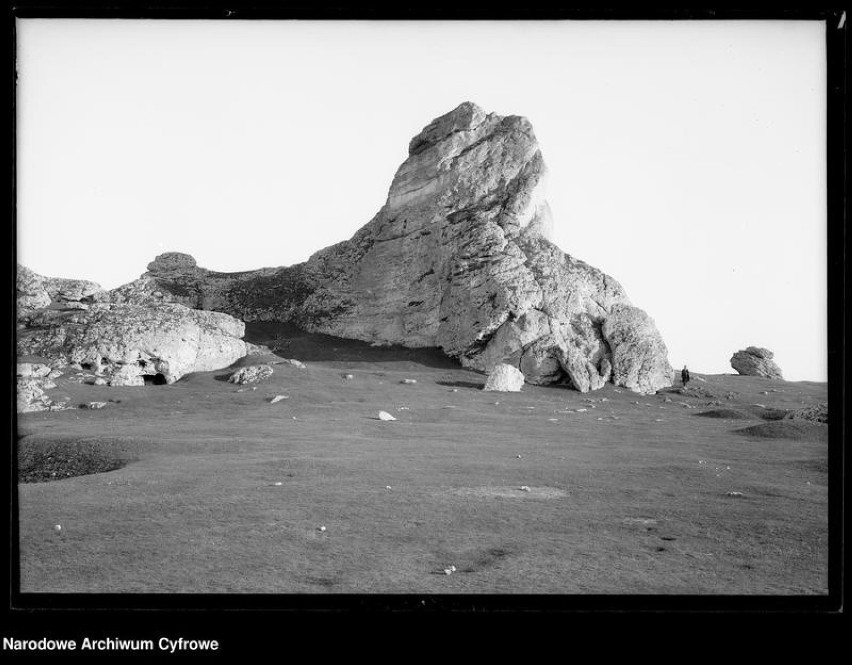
(216, 490)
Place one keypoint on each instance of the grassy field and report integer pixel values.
(207, 487)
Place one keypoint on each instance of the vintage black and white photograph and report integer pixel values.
(464, 308)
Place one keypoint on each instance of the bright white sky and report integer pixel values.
(687, 159)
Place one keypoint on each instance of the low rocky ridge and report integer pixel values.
(130, 345)
(459, 257)
(756, 361)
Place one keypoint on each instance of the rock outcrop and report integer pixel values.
(756, 361)
(504, 378)
(131, 345)
(33, 379)
(459, 257)
(36, 292)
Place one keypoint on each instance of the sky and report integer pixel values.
(686, 158)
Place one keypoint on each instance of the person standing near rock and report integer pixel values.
(684, 375)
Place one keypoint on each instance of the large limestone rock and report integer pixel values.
(639, 358)
(132, 345)
(756, 361)
(459, 257)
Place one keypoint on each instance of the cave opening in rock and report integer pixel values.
(154, 379)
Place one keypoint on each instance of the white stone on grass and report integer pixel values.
(278, 398)
(504, 378)
(384, 415)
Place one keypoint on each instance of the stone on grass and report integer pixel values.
(277, 398)
(384, 415)
(504, 378)
(250, 374)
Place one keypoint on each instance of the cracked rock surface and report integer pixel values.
(756, 361)
(460, 258)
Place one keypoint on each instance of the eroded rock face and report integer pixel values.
(36, 292)
(459, 257)
(756, 361)
(504, 378)
(131, 345)
(33, 379)
(639, 358)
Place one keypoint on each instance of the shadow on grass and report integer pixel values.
(289, 341)
(461, 384)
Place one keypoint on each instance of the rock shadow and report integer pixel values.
(289, 341)
(462, 384)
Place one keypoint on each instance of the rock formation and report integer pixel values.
(33, 378)
(459, 257)
(756, 361)
(250, 374)
(132, 345)
(36, 292)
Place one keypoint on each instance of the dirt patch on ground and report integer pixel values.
(797, 430)
(42, 459)
(520, 492)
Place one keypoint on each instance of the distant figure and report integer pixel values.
(684, 375)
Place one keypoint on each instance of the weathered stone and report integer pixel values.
(756, 361)
(36, 370)
(31, 396)
(250, 374)
(504, 378)
(36, 291)
(459, 257)
(639, 358)
(131, 344)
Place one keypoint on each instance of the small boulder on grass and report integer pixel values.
(384, 415)
(250, 374)
(504, 378)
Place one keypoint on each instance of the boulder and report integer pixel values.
(250, 374)
(756, 361)
(504, 378)
(134, 345)
(639, 357)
